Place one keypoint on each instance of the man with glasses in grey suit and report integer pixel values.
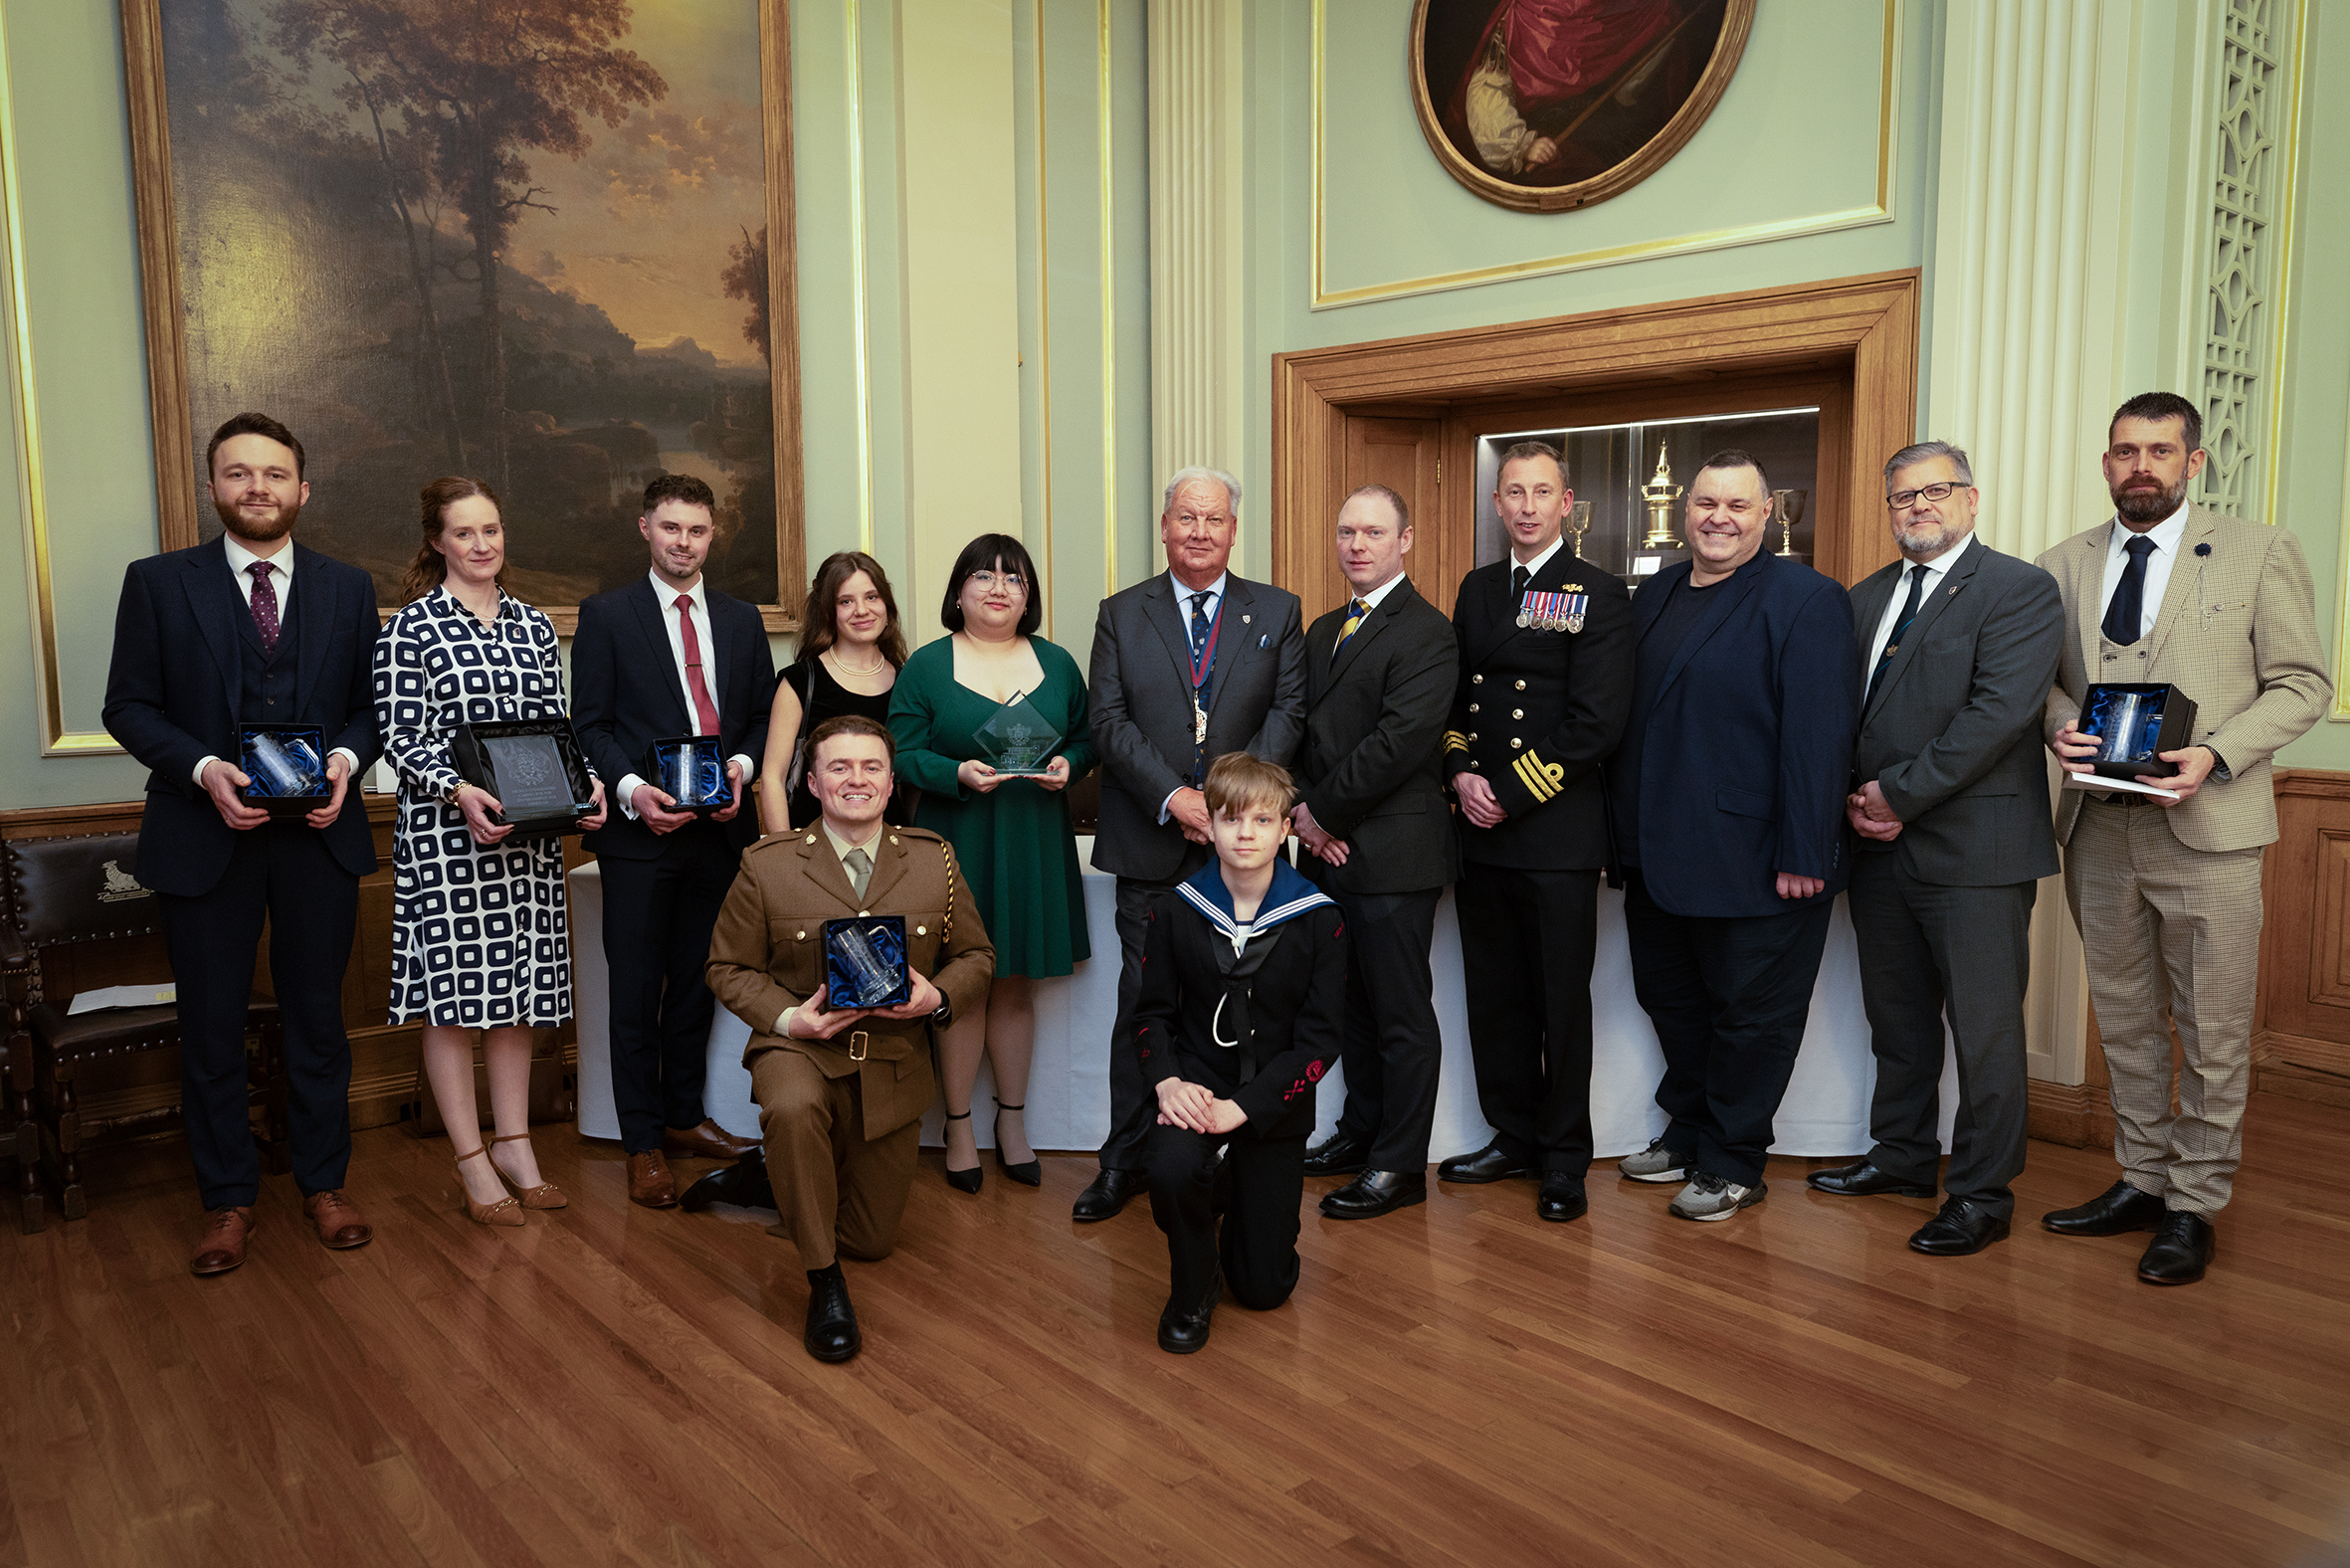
(1188, 665)
(1957, 645)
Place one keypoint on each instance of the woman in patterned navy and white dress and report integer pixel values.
(479, 936)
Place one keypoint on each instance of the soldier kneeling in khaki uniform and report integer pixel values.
(842, 1092)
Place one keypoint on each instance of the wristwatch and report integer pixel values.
(449, 795)
(944, 1015)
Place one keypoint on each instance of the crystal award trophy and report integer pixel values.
(1015, 739)
(689, 769)
(2133, 724)
(864, 962)
(288, 766)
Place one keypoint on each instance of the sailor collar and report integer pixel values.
(1289, 896)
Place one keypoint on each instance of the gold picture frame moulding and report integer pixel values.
(1737, 22)
(168, 365)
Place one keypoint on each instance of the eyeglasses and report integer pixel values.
(1899, 499)
(987, 580)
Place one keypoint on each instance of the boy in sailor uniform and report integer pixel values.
(1244, 985)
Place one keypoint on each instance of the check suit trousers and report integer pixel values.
(2172, 938)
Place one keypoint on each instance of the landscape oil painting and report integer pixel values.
(1547, 106)
(540, 243)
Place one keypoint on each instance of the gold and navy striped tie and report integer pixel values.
(1356, 613)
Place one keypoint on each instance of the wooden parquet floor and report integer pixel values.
(1457, 1384)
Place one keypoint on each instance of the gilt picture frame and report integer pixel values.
(1550, 106)
(564, 289)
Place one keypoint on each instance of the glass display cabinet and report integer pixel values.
(1631, 482)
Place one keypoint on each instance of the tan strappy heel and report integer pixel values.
(546, 1195)
(504, 1212)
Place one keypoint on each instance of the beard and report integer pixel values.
(1926, 539)
(2148, 505)
(243, 527)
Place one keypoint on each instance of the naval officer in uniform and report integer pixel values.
(1545, 640)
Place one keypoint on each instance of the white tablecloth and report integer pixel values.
(1825, 1112)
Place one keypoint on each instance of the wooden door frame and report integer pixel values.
(1866, 327)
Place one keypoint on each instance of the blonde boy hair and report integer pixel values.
(1237, 782)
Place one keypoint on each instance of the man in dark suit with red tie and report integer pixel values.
(251, 628)
(668, 655)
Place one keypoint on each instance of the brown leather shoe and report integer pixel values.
(337, 1219)
(650, 1182)
(222, 1246)
(709, 1141)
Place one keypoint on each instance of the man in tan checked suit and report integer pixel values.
(842, 1091)
(2167, 894)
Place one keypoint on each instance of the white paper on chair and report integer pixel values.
(125, 996)
(2101, 784)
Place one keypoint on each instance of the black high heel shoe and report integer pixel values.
(1028, 1173)
(966, 1181)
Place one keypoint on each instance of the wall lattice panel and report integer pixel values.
(2245, 261)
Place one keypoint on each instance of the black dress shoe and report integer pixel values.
(1561, 1198)
(1486, 1164)
(1375, 1193)
(1865, 1181)
(2121, 1206)
(832, 1321)
(1340, 1155)
(1106, 1193)
(1181, 1333)
(2182, 1250)
(1963, 1226)
(743, 1183)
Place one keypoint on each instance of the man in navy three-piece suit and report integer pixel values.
(666, 655)
(251, 628)
(1727, 801)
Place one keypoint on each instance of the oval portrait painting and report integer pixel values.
(1551, 105)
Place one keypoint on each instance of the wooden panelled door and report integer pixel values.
(1405, 454)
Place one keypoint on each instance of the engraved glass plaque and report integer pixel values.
(534, 767)
(1017, 739)
(864, 962)
(531, 779)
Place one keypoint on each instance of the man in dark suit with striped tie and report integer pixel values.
(1372, 815)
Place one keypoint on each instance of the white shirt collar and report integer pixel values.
(1183, 594)
(1372, 598)
(699, 593)
(241, 559)
(2165, 534)
(1534, 566)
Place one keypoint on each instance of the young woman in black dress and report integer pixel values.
(851, 647)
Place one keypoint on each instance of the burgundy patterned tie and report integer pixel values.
(706, 711)
(265, 604)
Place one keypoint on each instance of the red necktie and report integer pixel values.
(706, 711)
(265, 604)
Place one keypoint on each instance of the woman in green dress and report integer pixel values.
(1011, 832)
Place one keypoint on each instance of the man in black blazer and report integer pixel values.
(668, 655)
(1727, 798)
(1957, 646)
(1545, 675)
(251, 628)
(1187, 666)
(1372, 815)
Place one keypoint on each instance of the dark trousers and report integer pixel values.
(1526, 945)
(1133, 1108)
(1264, 1185)
(658, 915)
(284, 872)
(1392, 1048)
(1728, 997)
(1924, 949)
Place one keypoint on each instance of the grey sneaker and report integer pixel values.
(1655, 1163)
(1709, 1197)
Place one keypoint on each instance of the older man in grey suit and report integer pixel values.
(1187, 666)
(1958, 645)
